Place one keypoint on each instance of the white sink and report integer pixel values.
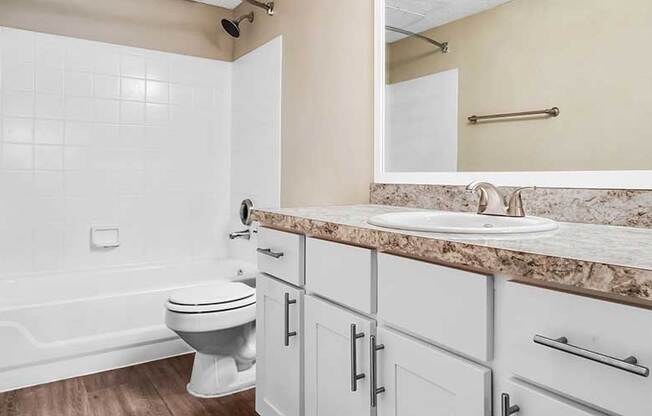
(461, 223)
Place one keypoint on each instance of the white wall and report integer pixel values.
(256, 135)
(93, 133)
(421, 132)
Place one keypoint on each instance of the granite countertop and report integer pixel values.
(603, 260)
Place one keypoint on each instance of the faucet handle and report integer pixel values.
(515, 204)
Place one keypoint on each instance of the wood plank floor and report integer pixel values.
(157, 388)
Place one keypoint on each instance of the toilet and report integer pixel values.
(218, 321)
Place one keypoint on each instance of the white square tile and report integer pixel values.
(18, 130)
(18, 45)
(75, 157)
(203, 97)
(78, 133)
(48, 106)
(79, 109)
(107, 86)
(132, 112)
(107, 111)
(132, 89)
(157, 113)
(48, 183)
(107, 61)
(49, 80)
(131, 136)
(50, 51)
(20, 104)
(105, 135)
(180, 95)
(48, 157)
(157, 92)
(17, 156)
(48, 131)
(18, 77)
(78, 84)
(132, 66)
(80, 56)
(158, 68)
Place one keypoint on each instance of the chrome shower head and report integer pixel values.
(232, 27)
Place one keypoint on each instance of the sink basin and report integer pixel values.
(461, 223)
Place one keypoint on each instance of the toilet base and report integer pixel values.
(216, 376)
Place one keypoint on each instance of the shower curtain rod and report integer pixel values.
(441, 45)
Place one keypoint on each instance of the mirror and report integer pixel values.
(449, 60)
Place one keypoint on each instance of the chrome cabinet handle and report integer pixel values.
(506, 408)
(374, 391)
(270, 253)
(287, 334)
(355, 336)
(629, 364)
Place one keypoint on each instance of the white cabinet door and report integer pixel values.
(330, 363)
(423, 380)
(279, 344)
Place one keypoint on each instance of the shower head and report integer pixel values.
(232, 27)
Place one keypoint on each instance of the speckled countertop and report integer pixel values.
(595, 259)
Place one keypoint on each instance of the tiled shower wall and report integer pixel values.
(98, 134)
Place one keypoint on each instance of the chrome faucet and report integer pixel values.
(493, 202)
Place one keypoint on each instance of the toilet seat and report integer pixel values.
(211, 307)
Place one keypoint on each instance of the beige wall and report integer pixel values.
(589, 57)
(327, 97)
(178, 26)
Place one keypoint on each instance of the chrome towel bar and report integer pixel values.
(552, 112)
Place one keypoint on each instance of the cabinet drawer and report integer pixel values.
(281, 255)
(532, 401)
(534, 319)
(450, 307)
(345, 274)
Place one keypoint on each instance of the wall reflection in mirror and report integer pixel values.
(449, 60)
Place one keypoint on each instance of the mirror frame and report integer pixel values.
(615, 179)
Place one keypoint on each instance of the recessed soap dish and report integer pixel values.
(105, 236)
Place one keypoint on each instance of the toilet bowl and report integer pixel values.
(218, 321)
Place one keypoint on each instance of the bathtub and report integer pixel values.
(56, 326)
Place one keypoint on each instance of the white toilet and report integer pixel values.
(218, 321)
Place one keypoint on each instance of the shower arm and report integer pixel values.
(441, 45)
(269, 7)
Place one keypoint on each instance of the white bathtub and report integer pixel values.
(57, 326)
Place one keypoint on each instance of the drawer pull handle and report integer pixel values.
(629, 364)
(287, 334)
(506, 407)
(355, 336)
(373, 350)
(269, 252)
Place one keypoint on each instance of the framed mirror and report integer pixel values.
(523, 92)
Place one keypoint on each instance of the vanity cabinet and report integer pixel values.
(416, 379)
(279, 341)
(336, 360)
(377, 334)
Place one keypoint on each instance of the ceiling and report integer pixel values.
(420, 15)
(227, 4)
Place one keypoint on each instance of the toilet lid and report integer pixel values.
(213, 294)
